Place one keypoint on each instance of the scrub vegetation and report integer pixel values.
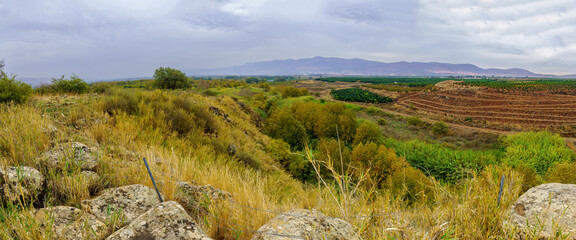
(291, 150)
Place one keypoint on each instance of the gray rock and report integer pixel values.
(90, 179)
(123, 203)
(50, 130)
(87, 226)
(20, 182)
(546, 209)
(75, 152)
(56, 218)
(306, 224)
(166, 221)
(196, 198)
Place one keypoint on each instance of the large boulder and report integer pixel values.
(196, 198)
(545, 210)
(124, 203)
(20, 183)
(166, 221)
(75, 153)
(306, 224)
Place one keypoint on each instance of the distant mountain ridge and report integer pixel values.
(357, 66)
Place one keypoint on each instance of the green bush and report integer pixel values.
(372, 110)
(537, 150)
(382, 122)
(562, 173)
(169, 78)
(72, 85)
(415, 121)
(440, 128)
(368, 132)
(12, 90)
(282, 125)
(411, 185)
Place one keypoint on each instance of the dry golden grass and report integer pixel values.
(466, 211)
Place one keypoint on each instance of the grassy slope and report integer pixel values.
(200, 158)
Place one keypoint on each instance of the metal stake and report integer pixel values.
(153, 182)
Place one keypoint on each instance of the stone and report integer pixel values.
(196, 198)
(546, 208)
(87, 226)
(124, 203)
(306, 224)
(56, 218)
(20, 183)
(90, 179)
(232, 150)
(168, 220)
(79, 153)
(50, 130)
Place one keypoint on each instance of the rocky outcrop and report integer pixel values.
(125, 203)
(306, 224)
(75, 153)
(196, 198)
(166, 221)
(545, 210)
(20, 183)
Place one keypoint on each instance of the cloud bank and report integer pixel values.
(128, 38)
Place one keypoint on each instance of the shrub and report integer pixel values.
(282, 125)
(12, 90)
(293, 92)
(169, 78)
(372, 110)
(440, 128)
(537, 150)
(72, 85)
(382, 122)
(411, 185)
(415, 121)
(562, 173)
(368, 132)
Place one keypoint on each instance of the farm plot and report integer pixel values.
(538, 109)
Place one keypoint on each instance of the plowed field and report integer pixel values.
(542, 109)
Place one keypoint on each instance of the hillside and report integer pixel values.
(272, 147)
(356, 66)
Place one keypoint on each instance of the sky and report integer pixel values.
(108, 39)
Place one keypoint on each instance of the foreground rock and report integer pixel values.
(70, 223)
(196, 198)
(76, 153)
(20, 183)
(123, 203)
(57, 218)
(87, 226)
(306, 224)
(545, 210)
(166, 221)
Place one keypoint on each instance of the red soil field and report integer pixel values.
(526, 109)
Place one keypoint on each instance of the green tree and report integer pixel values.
(170, 78)
(282, 125)
(368, 132)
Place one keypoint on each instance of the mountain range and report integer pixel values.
(357, 66)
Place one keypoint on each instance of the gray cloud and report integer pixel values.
(111, 38)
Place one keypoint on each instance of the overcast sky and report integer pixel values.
(104, 39)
